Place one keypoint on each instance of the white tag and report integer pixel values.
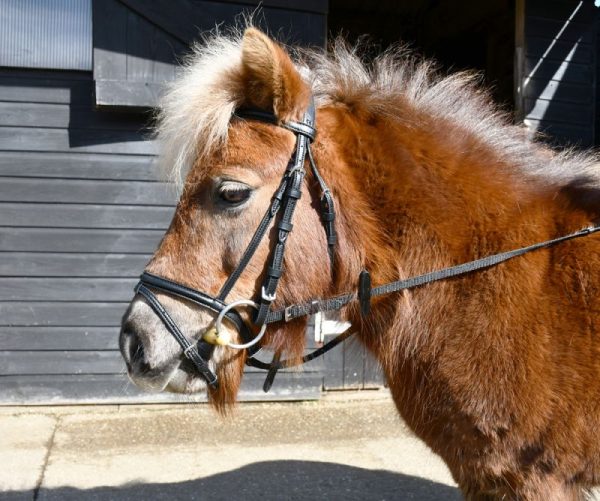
(328, 324)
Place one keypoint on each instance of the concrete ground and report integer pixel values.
(345, 446)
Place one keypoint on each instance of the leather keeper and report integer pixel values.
(272, 372)
(364, 292)
(274, 272)
(285, 226)
(294, 193)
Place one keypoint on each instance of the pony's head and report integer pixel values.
(228, 169)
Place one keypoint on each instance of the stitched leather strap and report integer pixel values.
(189, 349)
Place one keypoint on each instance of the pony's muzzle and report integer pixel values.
(150, 357)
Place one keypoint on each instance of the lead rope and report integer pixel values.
(336, 303)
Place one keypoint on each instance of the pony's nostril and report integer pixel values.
(133, 351)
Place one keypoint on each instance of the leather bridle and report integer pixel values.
(283, 203)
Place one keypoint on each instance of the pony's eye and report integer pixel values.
(234, 194)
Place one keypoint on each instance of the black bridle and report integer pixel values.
(284, 203)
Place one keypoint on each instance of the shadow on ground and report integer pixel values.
(270, 481)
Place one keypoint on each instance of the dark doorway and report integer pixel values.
(459, 34)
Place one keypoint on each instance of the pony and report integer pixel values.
(497, 371)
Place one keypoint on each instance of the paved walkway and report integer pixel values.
(345, 446)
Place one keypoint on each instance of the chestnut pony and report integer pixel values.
(498, 371)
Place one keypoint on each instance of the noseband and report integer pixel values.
(284, 203)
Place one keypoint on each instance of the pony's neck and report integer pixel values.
(435, 194)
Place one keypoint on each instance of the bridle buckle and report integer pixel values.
(287, 314)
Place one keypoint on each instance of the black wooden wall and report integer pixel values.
(557, 57)
(82, 210)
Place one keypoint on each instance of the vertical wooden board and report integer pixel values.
(558, 38)
(167, 50)
(333, 373)
(109, 40)
(373, 376)
(354, 353)
(139, 48)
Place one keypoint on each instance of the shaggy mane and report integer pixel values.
(195, 111)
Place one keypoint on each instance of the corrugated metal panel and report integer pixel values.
(54, 34)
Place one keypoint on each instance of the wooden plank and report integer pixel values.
(66, 289)
(36, 90)
(38, 264)
(333, 375)
(78, 166)
(79, 240)
(46, 75)
(183, 19)
(61, 314)
(556, 111)
(167, 52)
(560, 91)
(293, 26)
(541, 27)
(317, 6)
(92, 141)
(354, 354)
(54, 362)
(561, 10)
(563, 134)
(297, 28)
(59, 338)
(558, 50)
(109, 39)
(14, 363)
(87, 191)
(84, 216)
(575, 73)
(124, 93)
(67, 116)
(140, 48)
(373, 372)
(115, 389)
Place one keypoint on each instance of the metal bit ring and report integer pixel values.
(230, 306)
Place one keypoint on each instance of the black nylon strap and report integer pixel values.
(327, 210)
(477, 264)
(295, 173)
(285, 364)
(336, 303)
(255, 241)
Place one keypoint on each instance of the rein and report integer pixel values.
(284, 201)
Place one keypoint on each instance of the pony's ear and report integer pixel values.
(271, 79)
